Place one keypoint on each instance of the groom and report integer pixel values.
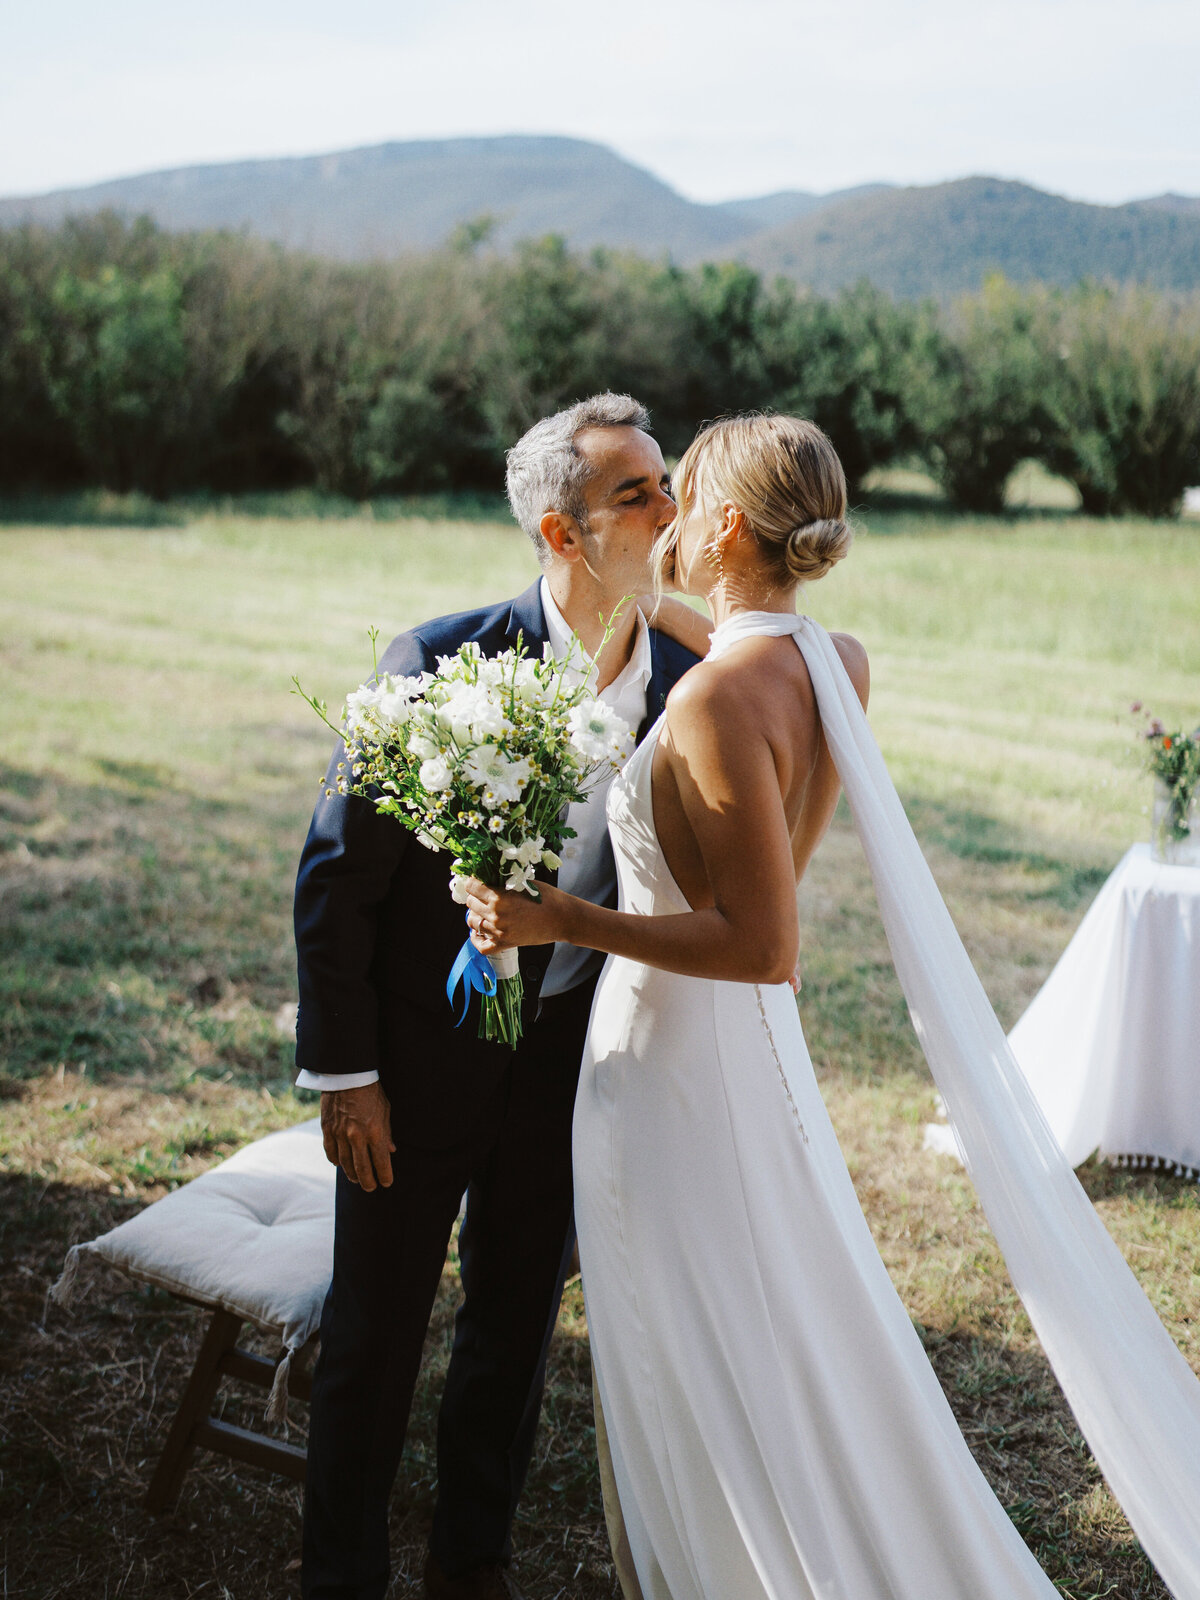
(414, 1111)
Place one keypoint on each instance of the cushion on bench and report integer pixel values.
(253, 1236)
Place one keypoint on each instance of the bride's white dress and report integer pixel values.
(775, 1426)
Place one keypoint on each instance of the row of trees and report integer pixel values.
(136, 359)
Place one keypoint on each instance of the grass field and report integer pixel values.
(155, 782)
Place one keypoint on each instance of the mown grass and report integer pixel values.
(155, 780)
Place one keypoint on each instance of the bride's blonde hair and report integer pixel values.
(783, 474)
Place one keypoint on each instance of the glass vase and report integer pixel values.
(1175, 827)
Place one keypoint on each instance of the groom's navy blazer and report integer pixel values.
(377, 931)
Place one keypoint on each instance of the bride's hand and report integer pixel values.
(500, 918)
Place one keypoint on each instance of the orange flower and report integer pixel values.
(1168, 742)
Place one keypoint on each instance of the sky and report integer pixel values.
(1095, 99)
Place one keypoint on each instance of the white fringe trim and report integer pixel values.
(1177, 1169)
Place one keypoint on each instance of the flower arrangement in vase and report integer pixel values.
(1173, 760)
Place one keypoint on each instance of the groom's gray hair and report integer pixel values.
(546, 471)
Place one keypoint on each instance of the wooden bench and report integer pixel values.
(250, 1241)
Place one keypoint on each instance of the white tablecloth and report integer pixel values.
(1111, 1043)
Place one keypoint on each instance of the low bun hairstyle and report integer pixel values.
(814, 547)
(783, 474)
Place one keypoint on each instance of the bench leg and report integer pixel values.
(193, 1412)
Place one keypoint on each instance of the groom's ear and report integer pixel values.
(561, 532)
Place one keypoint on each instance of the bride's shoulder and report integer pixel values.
(740, 690)
(854, 659)
(707, 697)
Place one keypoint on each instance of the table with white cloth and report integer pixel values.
(1111, 1043)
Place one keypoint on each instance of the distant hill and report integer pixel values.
(392, 198)
(1172, 202)
(770, 210)
(947, 238)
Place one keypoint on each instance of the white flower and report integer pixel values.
(435, 775)
(528, 684)
(551, 861)
(395, 708)
(596, 731)
(457, 893)
(500, 778)
(471, 712)
(360, 715)
(518, 879)
(528, 853)
(397, 683)
(421, 745)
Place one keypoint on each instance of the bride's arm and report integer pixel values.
(722, 760)
(678, 621)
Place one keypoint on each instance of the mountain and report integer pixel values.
(391, 198)
(387, 199)
(770, 210)
(1172, 202)
(945, 239)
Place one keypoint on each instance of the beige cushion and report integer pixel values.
(253, 1236)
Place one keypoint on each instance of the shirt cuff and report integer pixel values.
(326, 1081)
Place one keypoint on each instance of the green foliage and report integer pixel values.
(854, 367)
(982, 399)
(116, 365)
(1123, 397)
(137, 360)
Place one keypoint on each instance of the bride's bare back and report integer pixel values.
(743, 787)
(758, 694)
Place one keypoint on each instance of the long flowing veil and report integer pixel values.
(1134, 1395)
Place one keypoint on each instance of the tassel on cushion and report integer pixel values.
(277, 1404)
(62, 1290)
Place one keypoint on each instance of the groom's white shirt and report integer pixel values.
(587, 868)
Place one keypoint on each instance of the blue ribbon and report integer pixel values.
(474, 971)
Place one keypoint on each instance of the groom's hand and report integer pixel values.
(356, 1127)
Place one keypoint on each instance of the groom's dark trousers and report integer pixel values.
(376, 934)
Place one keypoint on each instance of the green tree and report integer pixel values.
(116, 364)
(854, 365)
(543, 305)
(1123, 397)
(36, 443)
(981, 405)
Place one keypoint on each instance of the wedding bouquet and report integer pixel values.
(481, 759)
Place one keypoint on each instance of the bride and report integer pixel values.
(776, 1430)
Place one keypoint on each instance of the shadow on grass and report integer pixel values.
(87, 1398)
(910, 514)
(85, 1403)
(102, 508)
(90, 508)
(141, 934)
(975, 836)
